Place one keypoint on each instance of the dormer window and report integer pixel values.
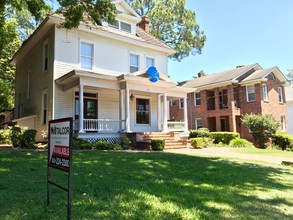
(120, 25)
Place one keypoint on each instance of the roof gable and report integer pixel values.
(126, 11)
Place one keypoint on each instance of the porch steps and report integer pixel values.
(172, 139)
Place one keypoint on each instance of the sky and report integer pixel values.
(239, 32)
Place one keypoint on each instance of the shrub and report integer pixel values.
(283, 140)
(157, 144)
(22, 137)
(5, 136)
(116, 146)
(102, 145)
(16, 132)
(126, 143)
(201, 132)
(197, 143)
(262, 127)
(239, 142)
(223, 137)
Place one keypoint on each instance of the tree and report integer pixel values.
(262, 127)
(289, 75)
(172, 23)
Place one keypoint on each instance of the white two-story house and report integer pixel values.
(99, 75)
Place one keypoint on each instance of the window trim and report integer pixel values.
(280, 94)
(46, 56)
(247, 93)
(138, 61)
(196, 123)
(197, 98)
(264, 90)
(80, 55)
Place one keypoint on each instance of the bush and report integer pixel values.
(126, 143)
(201, 132)
(239, 142)
(223, 137)
(283, 140)
(5, 136)
(197, 143)
(157, 144)
(102, 145)
(263, 127)
(81, 143)
(23, 138)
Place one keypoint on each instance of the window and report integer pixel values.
(181, 103)
(198, 123)
(44, 107)
(280, 92)
(90, 103)
(197, 100)
(45, 56)
(28, 89)
(250, 92)
(86, 56)
(283, 123)
(142, 111)
(134, 63)
(120, 25)
(149, 62)
(265, 92)
(173, 102)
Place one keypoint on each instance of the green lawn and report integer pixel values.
(121, 185)
(264, 152)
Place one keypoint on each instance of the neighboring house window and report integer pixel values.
(280, 92)
(44, 107)
(45, 56)
(86, 55)
(198, 123)
(197, 99)
(265, 92)
(142, 111)
(250, 92)
(150, 62)
(134, 63)
(283, 123)
(181, 103)
(28, 89)
(173, 102)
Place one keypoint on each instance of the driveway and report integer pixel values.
(228, 152)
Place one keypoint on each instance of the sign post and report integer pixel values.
(60, 155)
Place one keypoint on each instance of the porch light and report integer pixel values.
(131, 97)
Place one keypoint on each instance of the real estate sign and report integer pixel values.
(59, 144)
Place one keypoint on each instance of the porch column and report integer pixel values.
(159, 112)
(165, 119)
(127, 110)
(81, 130)
(120, 110)
(185, 115)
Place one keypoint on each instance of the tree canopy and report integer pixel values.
(172, 23)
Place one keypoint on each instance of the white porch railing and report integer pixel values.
(101, 125)
(176, 125)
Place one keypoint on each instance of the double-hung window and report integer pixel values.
(134, 63)
(86, 55)
(265, 96)
(197, 99)
(280, 92)
(283, 123)
(149, 62)
(181, 103)
(250, 92)
(198, 123)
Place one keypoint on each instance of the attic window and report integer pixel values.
(271, 76)
(120, 25)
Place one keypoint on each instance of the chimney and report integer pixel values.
(144, 24)
(239, 66)
(201, 74)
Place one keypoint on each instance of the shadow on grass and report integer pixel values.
(119, 185)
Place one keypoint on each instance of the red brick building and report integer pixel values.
(221, 99)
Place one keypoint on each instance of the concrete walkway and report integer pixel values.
(228, 152)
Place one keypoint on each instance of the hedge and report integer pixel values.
(283, 140)
(157, 144)
(197, 143)
(223, 137)
(239, 142)
(201, 132)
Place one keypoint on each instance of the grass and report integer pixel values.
(264, 152)
(121, 185)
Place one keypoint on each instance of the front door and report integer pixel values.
(90, 110)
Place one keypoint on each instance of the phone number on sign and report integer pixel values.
(60, 162)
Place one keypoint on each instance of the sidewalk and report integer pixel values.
(227, 152)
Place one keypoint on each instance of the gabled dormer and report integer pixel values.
(127, 18)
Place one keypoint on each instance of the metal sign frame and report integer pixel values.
(60, 155)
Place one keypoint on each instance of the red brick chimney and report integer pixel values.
(201, 74)
(144, 24)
